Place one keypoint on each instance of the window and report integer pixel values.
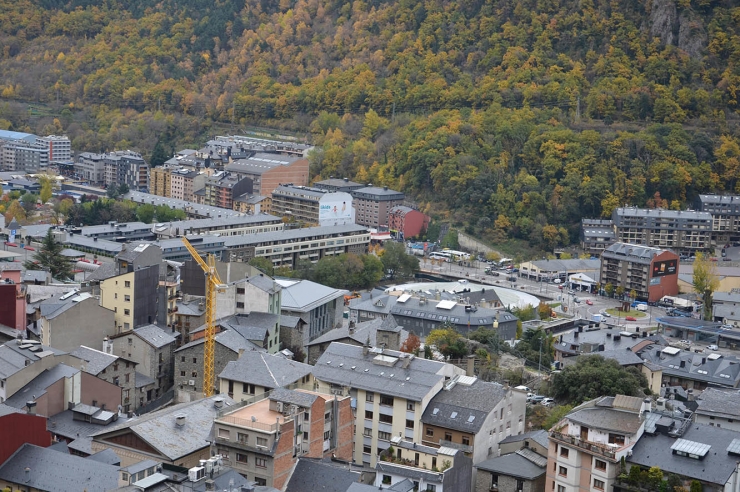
(466, 440)
(616, 439)
(409, 424)
(240, 305)
(326, 435)
(369, 414)
(182, 374)
(241, 458)
(384, 436)
(561, 488)
(127, 298)
(430, 432)
(115, 366)
(242, 438)
(386, 400)
(194, 374)
(260, 462)
(248, 388)
(563, 471)
(127, 312)
(386, 479)
(127, 283)
(369, 396)
(240, 290)
(598, 484)
(431, 488)
(367, 432)
(182, 359)
(195, 360)
(260, 481)
(126, 326)
(448, 436)
(564, 452)
(387, 419)
(367, 449)
(410, 406)
(261, 441)
(124, 476)
(126, 377)
(600, 465)
(494, 481)
(224, 433)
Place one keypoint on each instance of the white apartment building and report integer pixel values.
(60, 148)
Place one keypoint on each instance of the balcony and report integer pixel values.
(592, 447)
(244, 446)
(465, 448)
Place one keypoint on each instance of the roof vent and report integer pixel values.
(180, 420)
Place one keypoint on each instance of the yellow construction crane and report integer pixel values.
(213, 285)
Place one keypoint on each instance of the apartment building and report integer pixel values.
(287, 247)
(183, 182)
(473, 416)
(126, 167)
(263, 439)
(719, 407)
(187, 205)
(392, 390)
(313, 205)
(406, 222)
(60, 147)
(160, 181)
(725, 212)
(223, 226)
(267, 171)
(597, 235)
(651, 272)
(256, 373)
(119, 371)
(25, 156)
(90, 167)
(132, 297)
(74, 318)
(338, 184)
(319, 307)
(680, 230)
(373, 205)
(223, 187)
(586, 446)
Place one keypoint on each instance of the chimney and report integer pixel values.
(31, 406)
(180, 420)
(365, 349)
(241, 352)
(218, 402)
(210, 485)
(690, 394)
(470, 370)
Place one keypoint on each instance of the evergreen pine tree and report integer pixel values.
(49, 258)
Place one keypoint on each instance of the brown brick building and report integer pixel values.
(373, 205)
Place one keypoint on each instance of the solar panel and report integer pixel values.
(690, 447)
(734, 447)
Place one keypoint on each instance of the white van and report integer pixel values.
(641, 307)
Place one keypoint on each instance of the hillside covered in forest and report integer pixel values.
(510, 118)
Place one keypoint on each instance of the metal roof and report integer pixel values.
(302, 296)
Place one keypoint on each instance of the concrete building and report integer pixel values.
(381, 332)
(725, 212)
(119, 371)
(190, 314)
(473, 416)
(522, 470)
(440, 469)
(224, 226)
(132, 297)
(126, 167)
(392, 390)
(222, 188)
(267, 171)
(183, 182)
(676, 367)
(256, 373)
(726, 308)
(597, 235)
(373, 205)
(263, 439)
(190, 207)
(406, 222)
(338, 184)
(152, 348)
(91, 167)
(312, 205)
(718, 407)
(69, 320)
(651, 272)
(60, 148)
(320, 307)
(548, 270)
(177, 435)
(680, 230)
(23, 156)
(586, 446)
(160, 181)
(287, 247)
(10, 138)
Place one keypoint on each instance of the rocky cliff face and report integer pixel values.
(684, 30)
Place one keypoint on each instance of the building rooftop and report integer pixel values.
(260, 163)
(64, 424)
(567, 265)
(97, 360)
(524, 464)
(338, 183)
(450, 311)
(229, 339)
(363, 331)
(299, 398)
(38, 386)
(304, 295)
(253, 326)
(48, 470)
(314, 475)
(464, 406)
(190, 207)
(378, 192)
(610, 414)
(539, 436)
(59, 303)
(719, 370)
(381, 372)
(290, 235)
(266, 370)
(719, 402)
(633, 252)
(715, 468)
(590, 341)
(15, 356)
(155, 336)
(662, 213)
(160, 430)
(107, 456)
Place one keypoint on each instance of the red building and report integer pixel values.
(651, 272)
(18, 428)
(12, 299)
(407, 221)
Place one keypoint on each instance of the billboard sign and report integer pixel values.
(661, 268)
(336, 209)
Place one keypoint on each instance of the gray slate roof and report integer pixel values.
(303, 295)
(404, 485)
(38, 386)
(608, 419)
(58, 472)
(515, 465)
(155, 336)
(716, 467)
(292, 397)
(229, 339)
(719, 402)
(415, 382)
(80, 431)
(160, 431)
(7, 410)
(96, 359)
(724, 371)
(567, 265)
(13, 358)
(107, 456)
(142, 380)
(635, 253)
(363, 331)
(470, 405)
(541, 437)
(266, 370)
(311, 475)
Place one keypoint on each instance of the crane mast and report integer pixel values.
(213, 285)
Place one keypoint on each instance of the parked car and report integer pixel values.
(557, 281)
(511, 279)
(589, 302)
(712, 347)
(606, 315)
(547, 402)
(525, 388)
(685, 342)
(536, 399)
(630, 318)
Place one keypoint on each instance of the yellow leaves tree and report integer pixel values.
(46, 188)
(15, 211)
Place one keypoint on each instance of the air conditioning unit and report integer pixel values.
(196, 473)
(280, 407)
(191, 382)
